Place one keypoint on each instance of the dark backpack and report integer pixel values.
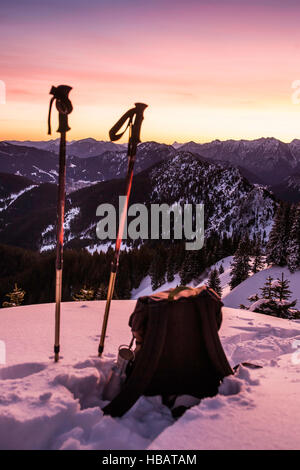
(180, 351)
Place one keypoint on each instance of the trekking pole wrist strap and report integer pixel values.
(63, 106)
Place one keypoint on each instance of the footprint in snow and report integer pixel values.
(19, 371)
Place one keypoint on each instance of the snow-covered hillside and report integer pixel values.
(145, 287)
(239, 295)
(44, 405)
(224, 277)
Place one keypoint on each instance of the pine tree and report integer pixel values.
(191, 267)
(84, 294)
(179, 254)
(101, 293)
(240, 267)
(186, 271)
(221, 269)
(276, 249)
(171, 266)
(214, 281)
(281, 288)
(157, 269)
(281, 306)
(275, 299)
(267, 289)
(293, 251)
(16, 297)
(258, 262)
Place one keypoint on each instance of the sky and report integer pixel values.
(219, 69)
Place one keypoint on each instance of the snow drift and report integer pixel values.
(239, 295)
(44, 405)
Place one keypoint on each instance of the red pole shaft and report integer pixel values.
(115, 262)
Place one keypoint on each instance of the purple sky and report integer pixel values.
(218, 69)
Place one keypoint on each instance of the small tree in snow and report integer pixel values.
(293, 251)
(84, 294)
(276, 249)
(258, 262)
(101, 293)
(267, 289)
(157, 270)
(16, 297)
(221, 269)
(240, 266)
(275, 299)
(281, 288)
(171, 267)
(214, 281)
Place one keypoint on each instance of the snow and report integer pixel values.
(98, 248)
(239, 295)
(47, 405)
(69, 216)
(48, 229)
(48, 247)
(146, 289)
(258, 304)
(13, 197)
(224, 277)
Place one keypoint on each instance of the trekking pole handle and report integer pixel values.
(138, 112)
(63, 106)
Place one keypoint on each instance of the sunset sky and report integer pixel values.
(207, 69)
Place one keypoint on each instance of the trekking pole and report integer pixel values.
(64, 107)
(134, 139)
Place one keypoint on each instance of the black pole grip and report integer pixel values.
(138, 113)
(63, 106)
(137, 124)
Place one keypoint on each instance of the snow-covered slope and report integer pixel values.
(239, 295)
(44, 405)
(145, 287)
(232, 204)
(224, 277)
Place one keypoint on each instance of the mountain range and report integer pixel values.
(238, 181)
(41, 166)
(83, 148)
(266, 161)
(233, 205)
